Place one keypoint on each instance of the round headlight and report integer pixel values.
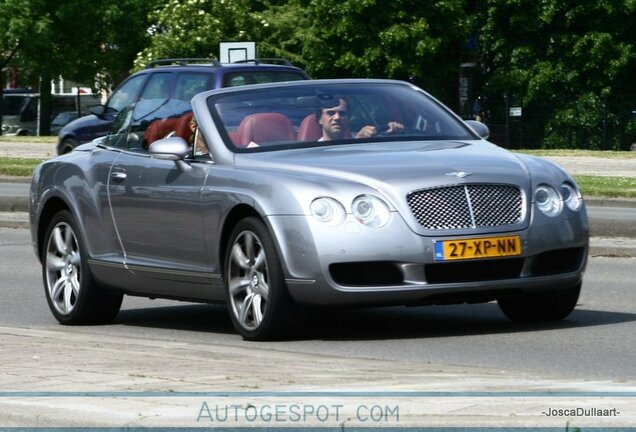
(571, 197)
(328, 210)
(370, 211)
(548, 200)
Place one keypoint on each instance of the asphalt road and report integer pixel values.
(14, 189)
(597, 342)
(612, 221)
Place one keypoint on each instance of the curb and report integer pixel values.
(611, 202)
(18, 204)
(14, 179)
(619, 247)
(14, 219)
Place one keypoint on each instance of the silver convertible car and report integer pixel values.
(274, 197)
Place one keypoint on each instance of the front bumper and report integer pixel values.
(357, 265)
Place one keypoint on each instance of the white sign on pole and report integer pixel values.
(515, 112)
(236, 51)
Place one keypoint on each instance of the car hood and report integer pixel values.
(393, 170)
(401, 166)
(84, 121)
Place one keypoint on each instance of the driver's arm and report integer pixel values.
(371, 131)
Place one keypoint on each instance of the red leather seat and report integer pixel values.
(161, 128)
(263, 128)
(158, 129)
(309, 129)
(234, 137)
(182, 128)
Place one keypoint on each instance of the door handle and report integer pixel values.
(118, 176)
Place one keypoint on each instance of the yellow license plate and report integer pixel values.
(474, 248)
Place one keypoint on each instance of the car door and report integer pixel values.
(156, 203)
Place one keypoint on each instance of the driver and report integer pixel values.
(334, 121)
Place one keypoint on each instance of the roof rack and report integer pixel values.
(268, 60)
(181, 62)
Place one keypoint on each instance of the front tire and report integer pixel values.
(258, 301)
(71, 292)
(543, 306)
(67, 145)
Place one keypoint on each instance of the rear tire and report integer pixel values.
(71, 292)
(543, 306)
(258, 301)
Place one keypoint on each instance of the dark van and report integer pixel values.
(20, 110)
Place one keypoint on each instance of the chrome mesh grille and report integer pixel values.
(467, 206)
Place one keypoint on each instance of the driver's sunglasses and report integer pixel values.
(331, 112)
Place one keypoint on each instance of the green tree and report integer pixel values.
(195, 28)
(565, 61)
(419, 41)
(61, 42)
(66, 38)
(124, 31)
(16, 17)
(282, 30)
(403, 39)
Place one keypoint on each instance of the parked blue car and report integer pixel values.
(173, 79)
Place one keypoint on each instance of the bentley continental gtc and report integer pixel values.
(272, 198)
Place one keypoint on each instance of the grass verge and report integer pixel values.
(28, 139)
(613, 187)
(18, 167)
(606, 154)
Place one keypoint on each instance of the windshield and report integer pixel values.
(324, 114)
(14, 104)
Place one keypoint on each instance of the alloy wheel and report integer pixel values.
(63, 268)
(248, 282)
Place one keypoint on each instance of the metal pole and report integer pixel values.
(605, 122)
(507, 114)
(79, 103)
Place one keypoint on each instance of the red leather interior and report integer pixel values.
(183, 128)
(162, 127)
(265, 127)
(234, 136)
(159, 129)
(309, 129)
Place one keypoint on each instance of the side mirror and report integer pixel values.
(479, 128)
(173, 148)
(98, 110)
(102, 111)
